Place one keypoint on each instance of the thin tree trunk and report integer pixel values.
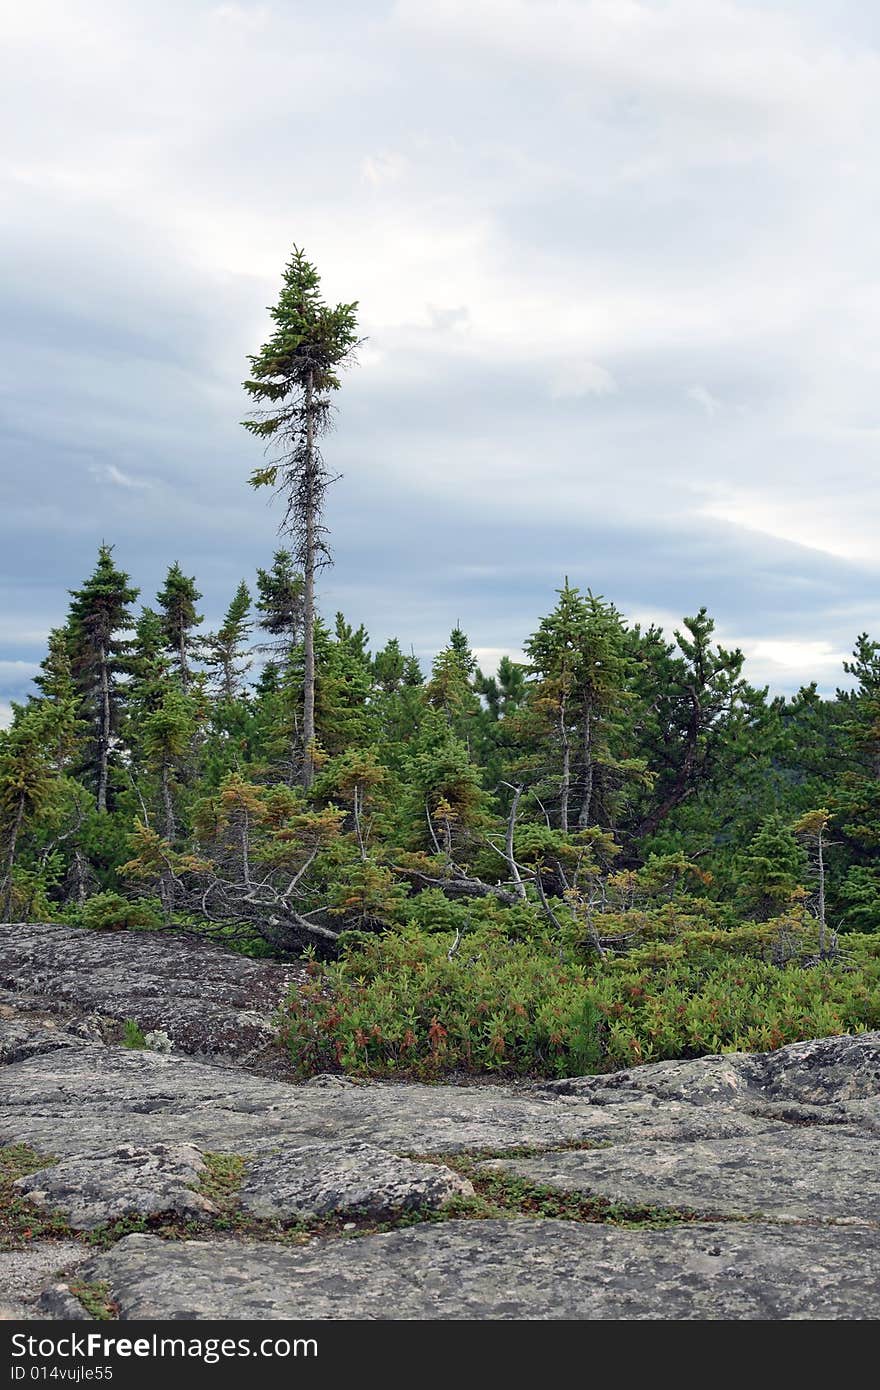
(6, 885)
(308, 772)
(167, 803)
(821, 866)
(519, 886)
(565, 788)
(587, 799)
(181, 656)
(104, 737)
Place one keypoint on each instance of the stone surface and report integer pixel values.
(797, 1174)
(209, 1001)
(20, 1039)
(68, 1101)
(787, 1138)
(508, 1269)
(97, 1187)
(58, 1304)
(345, 1180)
(819, 1072)
(24, 1273)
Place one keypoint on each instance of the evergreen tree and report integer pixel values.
(580, 668)
(99, 614)
(225, 650)
(697, 713)
(772, 869)
(280, 602)
(292, 378)
(28, 776)
(177, 601)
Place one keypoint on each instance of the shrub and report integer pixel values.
(112, 912)
(132, 1036)
(400, 1004)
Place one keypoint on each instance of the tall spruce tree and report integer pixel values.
(100, 614)
(225, 650)
(177, 601)
(292, 379)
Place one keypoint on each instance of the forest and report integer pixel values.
(616, 850)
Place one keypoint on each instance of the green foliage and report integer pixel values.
(660, 889)
(132, 1035)
(410, 1003)
(109, 911)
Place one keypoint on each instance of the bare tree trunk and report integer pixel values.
(821, 868)
(6, 885)
(587, 799)
(167, 803)
(308, 773)
(519, 886)
(104, 735)
(79, 877)
(565, 788)
(181, 656)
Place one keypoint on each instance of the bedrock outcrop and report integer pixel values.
(787, 1140)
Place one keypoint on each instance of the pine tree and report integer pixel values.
(773, 868)
(99, 614)
(280, 603)
(177, 601)
(28, 776)
(292, 378)
(225, 650)
(696, 713)
(580, 669)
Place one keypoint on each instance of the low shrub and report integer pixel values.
(111, 912)
(411, 1003)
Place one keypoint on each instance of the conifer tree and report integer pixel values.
(28, 776)
(177, 601)
(280, 603)
(292, 378)
(99, 615)
(225, 650)
(773, 868)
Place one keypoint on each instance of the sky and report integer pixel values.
(617, 269)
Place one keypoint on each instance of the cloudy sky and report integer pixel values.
(618, 274)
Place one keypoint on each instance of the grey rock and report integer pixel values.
(94, 1188)
(824, 1070)
(793, 1174)
(68, 1101)
(820, 1072)
(345, 1179)
(209, 1001)
(705, 1081)
(522, 1269)
(23, 1273)
(58, 1304)
(20, 1039)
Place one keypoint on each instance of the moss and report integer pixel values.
(94, 1295)
(21, 1222)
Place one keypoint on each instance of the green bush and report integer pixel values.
(112, 912)
(132, 1035)
(397, 1004)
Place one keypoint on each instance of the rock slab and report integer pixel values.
(96, 1188)
(352, 1179)
(521, 1269)
(798, 1174)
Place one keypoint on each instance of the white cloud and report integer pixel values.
(578, 379)
(109, 473)
(5, 714)
(708, 403)
(380, 169)
(247, 17)
(684, 191)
